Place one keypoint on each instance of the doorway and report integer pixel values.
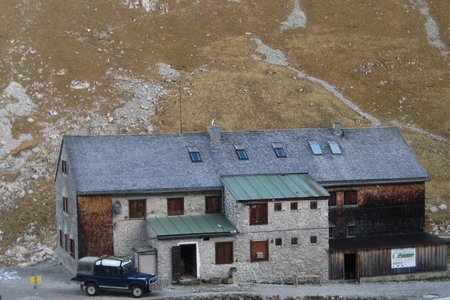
(188, 260)
(350, 266)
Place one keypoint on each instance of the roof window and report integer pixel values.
(194, 154)
(241, 153)
(315, 147)
(279, 150)
(335, 149)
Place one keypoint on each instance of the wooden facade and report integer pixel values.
(377, 262)
(95, 230)
(380, 209)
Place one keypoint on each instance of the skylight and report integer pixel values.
(194, 154)
(241, 153)
(335, 149)
(278, 149)
(315, 147)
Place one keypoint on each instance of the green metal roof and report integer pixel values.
(285, 186)
(190, 225)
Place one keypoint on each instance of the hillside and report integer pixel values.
(123, 66)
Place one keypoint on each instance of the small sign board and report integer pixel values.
(403, 258)
(36, 279)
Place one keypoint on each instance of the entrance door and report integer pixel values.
(184, 261)
(350, 266)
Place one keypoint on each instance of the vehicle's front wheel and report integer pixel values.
(91, 289)
(137, 291)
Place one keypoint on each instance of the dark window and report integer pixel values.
(61, 239)
(259, 250)
(258, 214)
(277, 206)
(332, 201)
(224, 253)
(242, 154)
(279, 152)
(64, 166)
(175, 206)
(350, 198)
(194, 154)
(294, 206)
(137, 209)
(278, 242)
(313, 204)
(66, 242)
(331, 230)
(294, 241)
(213, 204)
(351, 232)
(72, 248)
(313, 239)
(65, 205)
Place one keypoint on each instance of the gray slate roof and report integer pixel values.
(159, 162)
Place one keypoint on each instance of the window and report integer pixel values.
(332, 201)
(175, 206)
(259, 250)
(65, 205)
(294, 206)
(137, 209)
(66, 242)
(278, 242)
(72, 248)
(61, 239)
(258, 214)
(313, 204)
(294, 241)
(313, 239)
(241, 153)
(335, 149)
(351, 231)
(331, 231)
(279, 150)
(213, 204)
(194, 154)
(224, 253)
(277, 206)
(64, 166)
(350, 198)
(315, 148)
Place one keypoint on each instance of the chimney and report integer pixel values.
(337, 129)
(214, 132)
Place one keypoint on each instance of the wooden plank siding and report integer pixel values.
(377, 262)
(95, 231)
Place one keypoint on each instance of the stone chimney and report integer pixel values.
(337, 129)
(214, 132)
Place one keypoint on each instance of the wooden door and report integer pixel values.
(176, 263)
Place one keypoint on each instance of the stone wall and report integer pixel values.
(66, 222)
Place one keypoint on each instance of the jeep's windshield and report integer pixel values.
(127, 267)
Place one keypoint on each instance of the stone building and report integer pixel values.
(264, 206)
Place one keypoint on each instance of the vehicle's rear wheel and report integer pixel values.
(137, 291)
(91, 289)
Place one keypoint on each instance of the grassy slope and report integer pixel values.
(341, 43)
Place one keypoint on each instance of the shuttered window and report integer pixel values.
(64, 166)
(313, 205)
(332, 201)
(65, 205)
(175, 206)
(66, 242)
(258, 214)
(72, 248)
(213, 204)
(259, 250)
(350, 198)
(136, 208)
(61, 239)
(224, 253)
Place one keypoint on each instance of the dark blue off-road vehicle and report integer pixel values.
(114, 274)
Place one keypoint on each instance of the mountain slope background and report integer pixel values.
(125, 66)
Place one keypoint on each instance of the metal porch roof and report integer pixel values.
(281, 186)
(190, 225)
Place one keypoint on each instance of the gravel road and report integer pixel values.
(57, 285)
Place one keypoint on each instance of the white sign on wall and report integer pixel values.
(403, 258)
